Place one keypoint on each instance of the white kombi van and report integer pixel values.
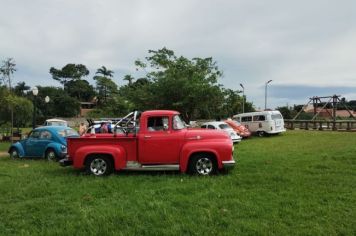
(262, 122)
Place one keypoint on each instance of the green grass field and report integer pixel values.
(298, 183)
(4, 147)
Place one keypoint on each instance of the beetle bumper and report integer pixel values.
(65, 162)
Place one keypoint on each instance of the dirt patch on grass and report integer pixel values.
(4, 154)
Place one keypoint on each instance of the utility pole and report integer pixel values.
(243, 98)
(269, 81)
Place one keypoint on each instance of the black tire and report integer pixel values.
(14, 153)
(203, 164)
(99, 165)
(51, 155)
(261, 133)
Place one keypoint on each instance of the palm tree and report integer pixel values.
(105, 72)
(129, 78)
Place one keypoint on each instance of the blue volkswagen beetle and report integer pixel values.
(47, 141)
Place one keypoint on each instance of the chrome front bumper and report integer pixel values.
(229, 164)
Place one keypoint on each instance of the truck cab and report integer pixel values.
(152, 140)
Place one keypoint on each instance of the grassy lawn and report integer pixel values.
(298, 183)
(4, 147)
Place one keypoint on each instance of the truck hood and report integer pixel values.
(203, 134)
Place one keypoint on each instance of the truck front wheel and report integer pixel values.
(99, 165)
(202, 164)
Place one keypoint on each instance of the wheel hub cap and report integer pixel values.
(98, 166)
(204, 166)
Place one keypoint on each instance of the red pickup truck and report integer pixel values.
(152, 140)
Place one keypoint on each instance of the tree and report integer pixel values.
(104, 72)
(129, 79)
(286, 112)
(104, 84)
(106, 88)
(69, 72)
(189, 86)
(80, 89)
(60, 105)
(20, 89)
(22, 107)
(6, 70)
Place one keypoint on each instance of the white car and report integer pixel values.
(219, 125)
(55, 122)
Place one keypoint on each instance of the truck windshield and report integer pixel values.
(178, 123)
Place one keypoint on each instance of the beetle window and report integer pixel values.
(35, 134)
(246, 118)
(224, 126)
(45, 135)
(157, 123)
(211, 127)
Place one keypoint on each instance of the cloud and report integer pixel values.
(304, 43)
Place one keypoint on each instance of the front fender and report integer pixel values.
(212, 147)
(118, 153)
(19, 148)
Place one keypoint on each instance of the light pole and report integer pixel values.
(243, 98)
(269, 81)
(35, 93)
(47, 99)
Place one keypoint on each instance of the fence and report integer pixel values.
(5, 134)
(341, 125)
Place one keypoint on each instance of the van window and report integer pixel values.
(277, 116)
(259, 118)
(246, 118)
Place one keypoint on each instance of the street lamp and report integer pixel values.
(243, 98)
(35, 93)
(47, 99)
(269, 81)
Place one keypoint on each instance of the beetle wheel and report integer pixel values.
(14, 153)
(51, 155)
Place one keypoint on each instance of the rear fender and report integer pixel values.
(19, 148)
(55, 146)
(118, 154)
(190, 149)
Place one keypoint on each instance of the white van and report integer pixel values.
(262, 122)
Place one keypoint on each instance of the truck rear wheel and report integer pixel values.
(99, 165)
(202, 164)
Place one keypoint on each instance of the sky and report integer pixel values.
(307, 48)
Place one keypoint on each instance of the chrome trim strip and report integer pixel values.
(153, 167)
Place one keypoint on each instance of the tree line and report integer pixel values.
(168, 82)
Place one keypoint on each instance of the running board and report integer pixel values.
(152, 167)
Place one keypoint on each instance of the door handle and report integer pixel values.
(148, 136)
